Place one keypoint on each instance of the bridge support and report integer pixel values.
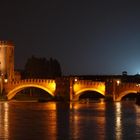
(62, 92)
(110, 90)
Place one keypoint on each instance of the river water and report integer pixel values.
(69, 121)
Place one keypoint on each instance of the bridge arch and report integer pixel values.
(80, 92)
(14, 91)
(124, 93)
(82, 86)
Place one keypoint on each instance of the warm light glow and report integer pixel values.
(137, 85)
(75, 79)
(4, 120)
(5, 80)
(76, 87)
(118, 127)
(51, 106)
(118, 82)
(50, 88)
(2, 58)
(137, 118)
(102, 101)
(79, 88)
(51, 123)
(73, 106)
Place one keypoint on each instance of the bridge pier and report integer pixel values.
(110, 90)
(62, 89)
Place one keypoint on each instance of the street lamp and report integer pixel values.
(75, 79)
(5, 80)
(118, 82)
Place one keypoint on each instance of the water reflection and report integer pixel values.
(138, 119)
(57, 121)
(50, 125)
(62, 121)
(118, 123)
(32, 121)
(86, 122)
(4, 120)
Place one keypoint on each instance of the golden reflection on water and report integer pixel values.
(118, 121)
(137, 109)
(51, 106)
(84, 118)
(138, 115)
(54, 121)
(4, 120)
(51, 123)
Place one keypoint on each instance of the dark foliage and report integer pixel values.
(41, 68)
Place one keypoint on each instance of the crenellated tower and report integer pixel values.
(7, 60)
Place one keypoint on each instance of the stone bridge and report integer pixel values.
(70, 89)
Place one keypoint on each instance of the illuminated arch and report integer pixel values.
(13, 92)
(122, 94)
(80, 92)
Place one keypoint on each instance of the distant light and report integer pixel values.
(118, 82)
(138, 85)
(75, 79)
(5, 80)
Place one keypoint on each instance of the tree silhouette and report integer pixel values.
(42, 68)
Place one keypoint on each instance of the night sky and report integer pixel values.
(86, 37)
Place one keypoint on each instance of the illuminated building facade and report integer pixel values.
(7, 60)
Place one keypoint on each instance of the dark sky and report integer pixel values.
(86, 37)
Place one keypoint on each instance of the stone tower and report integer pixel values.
(7, 60)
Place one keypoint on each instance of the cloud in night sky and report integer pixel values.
(86, 37)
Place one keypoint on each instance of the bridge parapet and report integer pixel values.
(125, 86)
(88, 82)
(31, 81)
